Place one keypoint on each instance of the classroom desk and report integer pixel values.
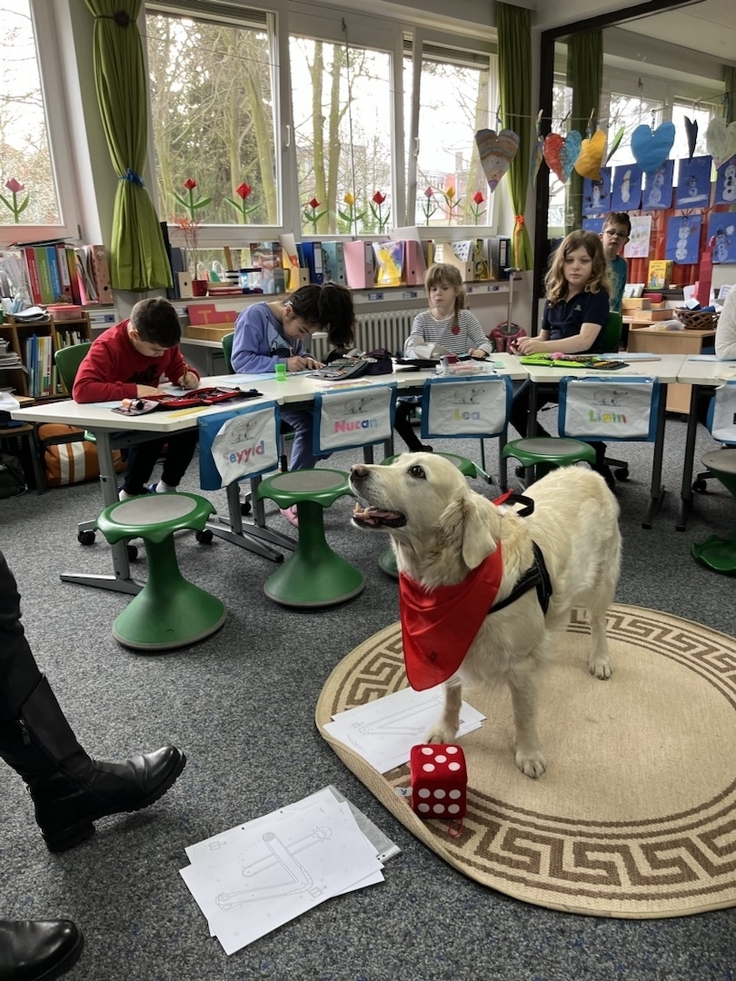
(653, 340)
(701, 375)
(665, 369)
(115, 431)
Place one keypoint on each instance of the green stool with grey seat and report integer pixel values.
(716, 552)
(315, 575)
(169, 611)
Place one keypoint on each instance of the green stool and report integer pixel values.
(314, 575)
(718, 553)
(169, 611)
(387, 559)
(545, 453)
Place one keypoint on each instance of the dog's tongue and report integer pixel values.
(375, 516)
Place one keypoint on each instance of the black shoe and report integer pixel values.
(605, 471)
(38, 950)
(84, 790)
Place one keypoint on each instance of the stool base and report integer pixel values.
(387, 563)
(719, 554)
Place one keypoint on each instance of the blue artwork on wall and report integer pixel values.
(722, 230)
(693, 182)
(626, 193)
(683, 238)
(597, 194)
(594, 224)
(657, 194)
(726, 182)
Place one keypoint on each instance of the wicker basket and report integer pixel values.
(697, 319)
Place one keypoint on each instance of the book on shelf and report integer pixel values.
(389, 260)
(54, 273)
(100, 272)
(333, 261)
(87, 290)
(312, 252)
(44, 273)
(360, 264)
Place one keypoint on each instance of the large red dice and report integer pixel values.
(439, 780)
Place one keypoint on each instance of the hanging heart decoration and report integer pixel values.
(590, 158)
(496, 150)
(720, 140)
(652, 147)
(537, 154)
(560, 153)
(691, 128)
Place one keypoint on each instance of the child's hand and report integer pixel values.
(302, 362)
(477, 353)
(188, 380)
(146, 391)
(528, 345)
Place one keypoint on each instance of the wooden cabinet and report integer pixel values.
(652, 340)
(35, 343)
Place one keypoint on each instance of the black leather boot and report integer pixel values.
(38, 950)
(69, 789)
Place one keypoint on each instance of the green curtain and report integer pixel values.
(138, 259)
(585, 78)
(515, 74)
(729, 77)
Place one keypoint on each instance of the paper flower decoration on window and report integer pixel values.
(428, 205)
(189, 224)
(15, 187)
(376, 205)
(351, 215)
(312, 215)
(475, 208)
(241, 206)
(452, 204)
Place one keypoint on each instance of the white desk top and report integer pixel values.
(695, 371)
(296, 388)
(665, 369)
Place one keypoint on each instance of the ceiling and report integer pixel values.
(708, 27)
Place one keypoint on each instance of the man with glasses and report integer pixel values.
(615, 235)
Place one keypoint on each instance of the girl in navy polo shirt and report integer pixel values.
(578, 290)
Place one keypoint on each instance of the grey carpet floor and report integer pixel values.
(241, 706)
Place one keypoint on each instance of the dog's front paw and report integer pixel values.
(601, 668)
(531, 764)
(441, 733)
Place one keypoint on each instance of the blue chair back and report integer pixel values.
(348, 418)
(476, 407)
(609, 408)
(238, 444)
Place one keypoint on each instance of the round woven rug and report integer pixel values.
(636, 814)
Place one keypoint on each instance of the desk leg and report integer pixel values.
(686, 491)
(120, 581)
(249, 535)
(657, 490)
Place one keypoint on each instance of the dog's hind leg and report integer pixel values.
(524, 696)
(445, 728)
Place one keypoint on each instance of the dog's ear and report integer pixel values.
(470, 525)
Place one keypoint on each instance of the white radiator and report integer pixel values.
(389, 330)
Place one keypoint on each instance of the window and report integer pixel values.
(457, 97)
(33, 128)
(341, 97)
(213, 112)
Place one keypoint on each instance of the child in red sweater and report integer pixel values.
(128, 361)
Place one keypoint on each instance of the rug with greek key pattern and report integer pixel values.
(636, 814)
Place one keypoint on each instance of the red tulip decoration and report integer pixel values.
(15, 187)
(312, 215)
(190, 224)
(376, 205)
(475, 208)
(428, 205)
(244, 191)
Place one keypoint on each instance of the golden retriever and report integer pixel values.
(441, 530)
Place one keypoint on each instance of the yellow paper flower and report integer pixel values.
(349, 199)
(450, 193)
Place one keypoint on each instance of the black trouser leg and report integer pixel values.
(403, 426)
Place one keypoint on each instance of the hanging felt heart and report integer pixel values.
(496, 150)
(588, 163)
(561, 153)
(651, 148)
(720, 139)
(691, 128)
(536, 159)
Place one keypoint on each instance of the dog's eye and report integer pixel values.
(418, 472)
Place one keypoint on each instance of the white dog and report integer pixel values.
(444, 534)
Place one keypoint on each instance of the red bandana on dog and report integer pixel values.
(438, 628)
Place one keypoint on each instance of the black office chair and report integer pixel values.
(612, 333)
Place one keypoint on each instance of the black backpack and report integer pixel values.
(12, 476)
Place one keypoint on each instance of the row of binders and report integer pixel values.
(57, 272)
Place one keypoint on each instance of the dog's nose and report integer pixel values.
(358, 471)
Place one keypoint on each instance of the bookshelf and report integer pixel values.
(39, 380)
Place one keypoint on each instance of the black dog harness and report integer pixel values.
(536, 576)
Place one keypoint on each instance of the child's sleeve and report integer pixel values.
(251, 348)
(91, 382)
(415, 337)
(476, 336)
(176, 367)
